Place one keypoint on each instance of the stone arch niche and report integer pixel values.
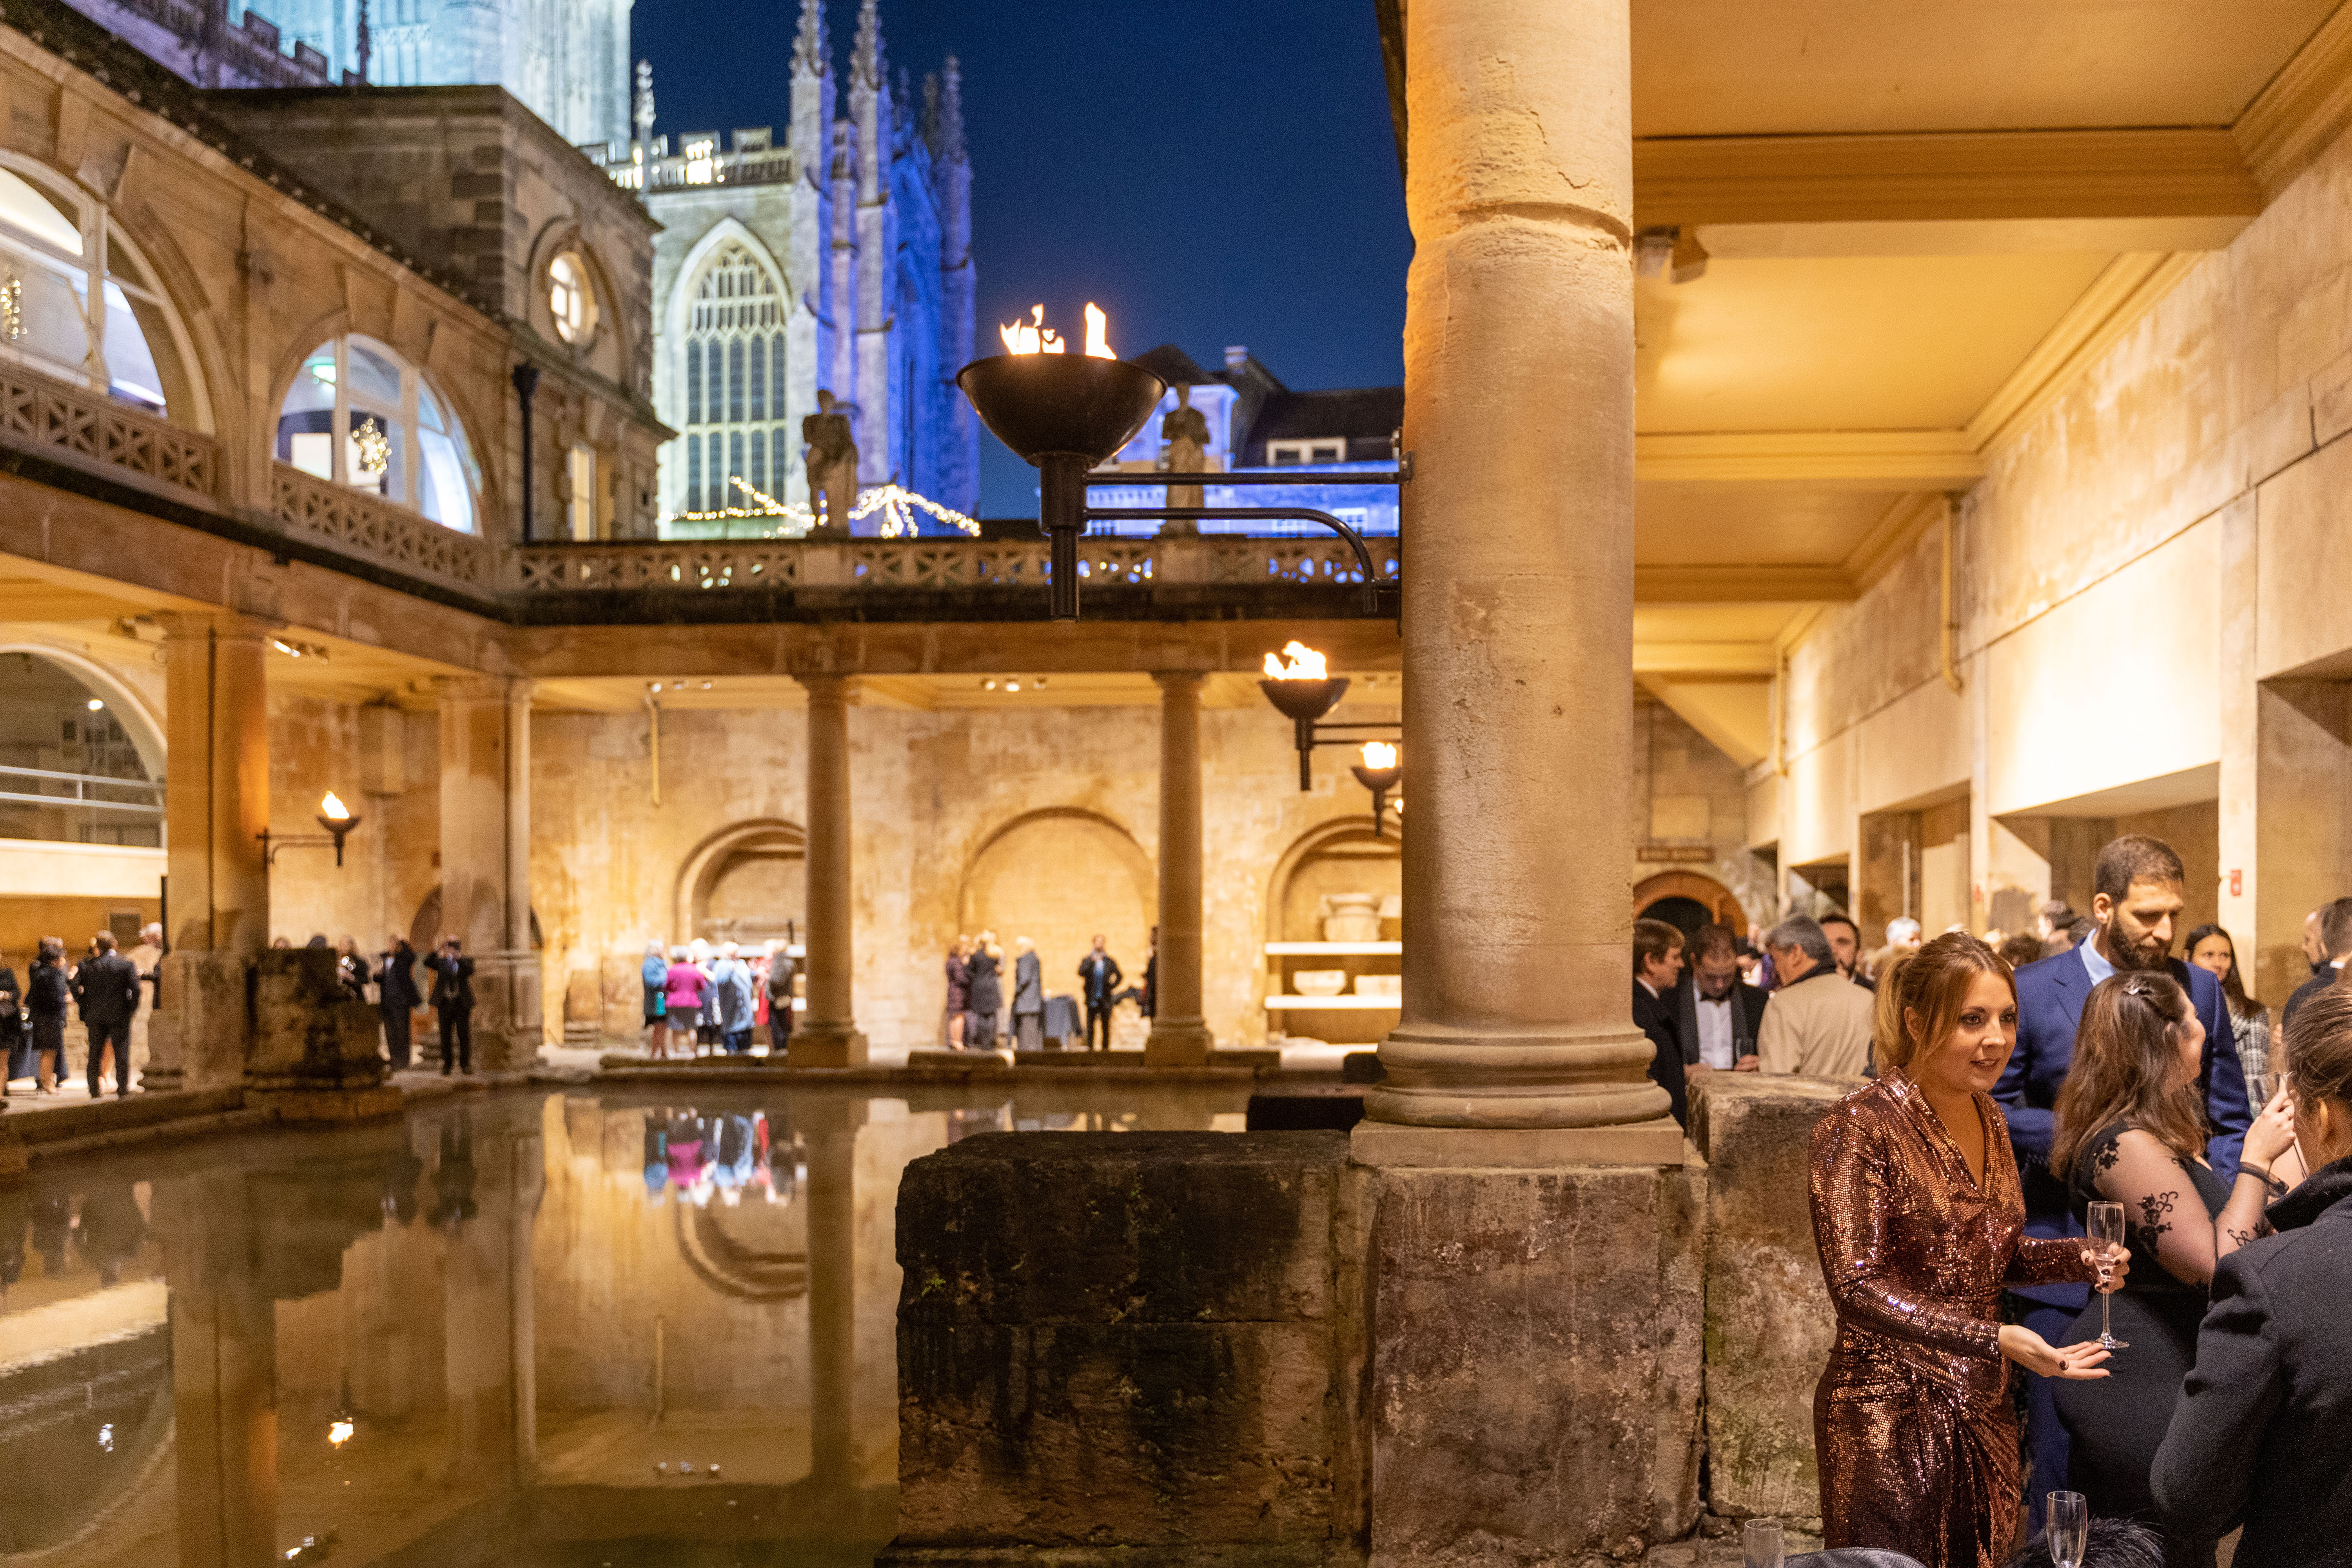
(1677, 890)
(747, 882)
(425, 933)
(1342, 856)
(1059, 876)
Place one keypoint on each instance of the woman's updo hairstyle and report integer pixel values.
(1920, 996)
(2319, 1048)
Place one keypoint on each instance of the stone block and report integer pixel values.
(308, 1032)
(1768, 1319)
(197, 1038)
(1532, 1342)
(1126, 1348)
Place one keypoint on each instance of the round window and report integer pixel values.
(570, 299)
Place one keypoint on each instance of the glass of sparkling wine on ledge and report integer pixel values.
(2070, 1528)
(2105, 1224)
(1762, 1543)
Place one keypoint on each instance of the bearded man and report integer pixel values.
(2139, 889)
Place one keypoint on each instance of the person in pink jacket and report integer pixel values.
(683, 995)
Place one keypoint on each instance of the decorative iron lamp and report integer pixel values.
(333, 815)
(1301, 691)
(1063, 414)
(1379, 771)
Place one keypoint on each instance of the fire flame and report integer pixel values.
(339, 1431)
(1304, 664)
(1378, 755)
(1034, 337)
(331, 805)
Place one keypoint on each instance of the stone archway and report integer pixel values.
(1721, 905)
(1061, 876)
(746, 883)
(1338, 855)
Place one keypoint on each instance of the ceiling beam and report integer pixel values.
(2307, 105)
(1716, 659)
(1942, 176)
(1817, 459)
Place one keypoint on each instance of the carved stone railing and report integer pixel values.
(357, 524)
(54, 419)
(945, 565)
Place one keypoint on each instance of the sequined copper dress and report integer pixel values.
(1912, 1423)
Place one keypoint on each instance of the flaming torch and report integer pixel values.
(1302, 690)
(1063, 414)
(1381, 767)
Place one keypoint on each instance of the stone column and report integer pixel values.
(486, 861)
(215, 806)
(1518, 604)
(1527, 1193)
(831, 1126)
(224, 1375)
(827, 1034)
(1180, 1036)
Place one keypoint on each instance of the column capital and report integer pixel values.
(1175, 683)
(182, 625)
(451, 689)
(829, 685)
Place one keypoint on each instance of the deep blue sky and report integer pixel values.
(1211, 173)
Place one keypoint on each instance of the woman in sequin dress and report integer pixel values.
(1919, 1222)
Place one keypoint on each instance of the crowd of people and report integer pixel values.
(106, 989)
(702, 1000)
(977, 1017)
(1957, 1205)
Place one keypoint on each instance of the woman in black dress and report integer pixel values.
(985, 1006)
(2131, 1131)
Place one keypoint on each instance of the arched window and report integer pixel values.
(735, 383)
(56, 253)
(359, 415)
(570, 298)
(70, 771)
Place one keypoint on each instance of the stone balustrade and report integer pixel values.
(54, 419)
(359, 525)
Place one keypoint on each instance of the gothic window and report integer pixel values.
(58, 251)
(734, 381)
(359, 415)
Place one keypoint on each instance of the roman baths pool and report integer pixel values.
(584, 1327)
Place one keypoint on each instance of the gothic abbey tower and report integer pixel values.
(840, 261)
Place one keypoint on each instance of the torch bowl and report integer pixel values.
(1044, 405)
(1305, 701)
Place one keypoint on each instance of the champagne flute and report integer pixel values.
(2105, 1224)
(1762, 1544)
(2069, 1534)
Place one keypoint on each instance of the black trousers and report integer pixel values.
(457, 1034)
(1098, 1014)
(779, 1026)
(100, 1036)
(396, 1035)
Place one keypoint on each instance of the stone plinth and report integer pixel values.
(1768, 1320)
(1132, 1348)
(196, 1037)
(314, 1048)
(1535, 1361)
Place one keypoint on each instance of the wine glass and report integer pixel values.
(1764, 1546)
(2070, 1528)
(2105, 1224)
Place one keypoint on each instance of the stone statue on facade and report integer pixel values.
(1186, 431)
(832, 467)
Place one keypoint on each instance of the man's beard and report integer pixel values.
(2127, 957)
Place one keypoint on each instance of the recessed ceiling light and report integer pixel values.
(988, 685)
(96, 703)
(705, 686)
(1012, 686)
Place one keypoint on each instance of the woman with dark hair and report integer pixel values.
(1920, 1224)
(2130, 1129)
(46, 992)
(2260, 1437)
(2210, 948)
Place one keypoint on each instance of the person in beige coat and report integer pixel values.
(1818, 1022)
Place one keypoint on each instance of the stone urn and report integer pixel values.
(1351, 917)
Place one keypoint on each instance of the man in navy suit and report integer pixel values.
(2139, 890)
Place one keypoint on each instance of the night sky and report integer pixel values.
(1210, 174)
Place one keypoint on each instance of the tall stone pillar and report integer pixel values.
(224, 1375)
(1180, 1036)
(215, 806)
(1518, 604)
(831, 1126)
(1528, 1193)
(486, 861)
(827, 1035)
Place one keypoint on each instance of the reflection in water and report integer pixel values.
(528, 1330)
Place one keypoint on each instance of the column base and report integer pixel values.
(818, 1047)
(1178, 1043)
(509, 1030)
(197, 1039)
(1443, 1077)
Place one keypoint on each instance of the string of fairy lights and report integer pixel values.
(897, 504)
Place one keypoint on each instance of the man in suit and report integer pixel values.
(2139, 889)
(1098, 973)
(1657, 965)
(1717, 1013)
(396, 998)
(2330, 932)
(453, 999)
(107, 984)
